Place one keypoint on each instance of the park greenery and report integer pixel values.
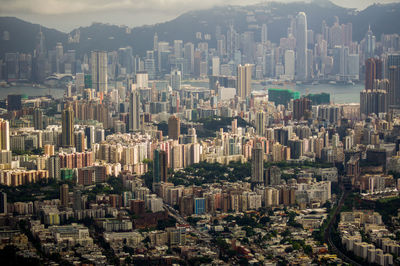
(205, 173)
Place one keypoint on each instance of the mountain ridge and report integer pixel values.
(381, 17)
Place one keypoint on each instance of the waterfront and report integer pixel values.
(339, 93)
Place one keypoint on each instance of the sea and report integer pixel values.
(30, 90)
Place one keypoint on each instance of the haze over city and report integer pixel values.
(68, 15)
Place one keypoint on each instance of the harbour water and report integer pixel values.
(339, 93)
(29, 90)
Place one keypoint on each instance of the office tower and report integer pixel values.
(64, 195)
(393, 69)
(142, 80)
(99, 71)
(301, 46)
(4, 135)
(134, 111)
(11, 66)
(373, 71)
(38, 119)
(189, 55)
(3, 203)
(160, 166)
(150, 64)
(68, 127)
(14, 102)
(257, 165)
(301, 108)
(215, 66)
(174, 127)
(260, 123)
(289, 64)
(155, 42)
(178, 48)
(369, 44)
(244, 81)
(264, 33)
(176, 79)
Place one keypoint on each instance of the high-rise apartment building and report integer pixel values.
(373, 71)
(4, 135)
(99, 71)
(257, 165)
(68, 127)
(301, 108)
(260, 123)
(244, 81)
(64, 195)
(134, 111)
(174, 127)
(38, 119)
(393, 69)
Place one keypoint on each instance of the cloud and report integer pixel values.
(57, 7)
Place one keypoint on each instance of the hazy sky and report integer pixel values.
(66, 15)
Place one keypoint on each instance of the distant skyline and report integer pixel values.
(68, 15)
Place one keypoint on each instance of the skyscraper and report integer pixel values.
(301, 108)
(257, 165)
(174, 127)
(176, 79)
(134, 111)
(289, 64)
(54, 167)
(373, 71)
(393, 68)
(301, 46)
(260, 123)
(160, 166)
(38, 119)
(244, 81)
(4, 135)
(64, 195)
(264, 33)
(369, 44)
(68, 127)
(14, 102)
(189, 56)
(99, 71)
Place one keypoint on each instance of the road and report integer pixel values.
(204, 236)
(328, 238)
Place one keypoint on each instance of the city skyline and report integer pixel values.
(66, 16)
